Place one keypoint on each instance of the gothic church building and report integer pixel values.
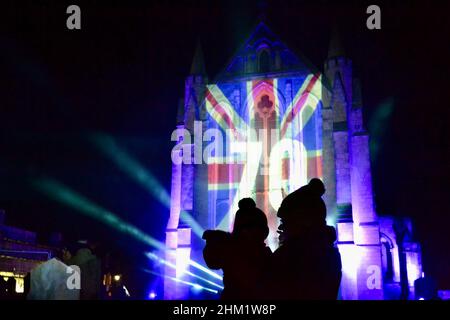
(312, 125)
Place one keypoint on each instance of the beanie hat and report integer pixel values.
(249, 216)
(305, 204)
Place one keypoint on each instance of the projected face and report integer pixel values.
(272, 147)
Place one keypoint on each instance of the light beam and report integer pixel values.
(191, 284)
(140, 174)
(65, 195)
(206, 270)
(154, 257)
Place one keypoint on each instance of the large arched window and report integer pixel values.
(387, 258)
(264, 61)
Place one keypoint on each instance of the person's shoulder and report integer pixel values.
(280, 251)
(265, 253)
(268, 251)
(216, 235)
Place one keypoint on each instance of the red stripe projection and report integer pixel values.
(314, 168)
(220, 173)
(225, 116)
(256, 94)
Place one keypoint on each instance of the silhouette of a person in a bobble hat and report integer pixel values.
(242, 254)
(307, 264)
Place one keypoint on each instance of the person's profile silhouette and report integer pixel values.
(242, 254)
(307, 264)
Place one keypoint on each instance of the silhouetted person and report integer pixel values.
(3, 289)
(26, 285)
(306, 265)
(11, 288)
(242, 254)
(90, 268)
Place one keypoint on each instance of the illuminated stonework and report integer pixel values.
(282, 124)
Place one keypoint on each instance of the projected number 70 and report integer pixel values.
(267, 151)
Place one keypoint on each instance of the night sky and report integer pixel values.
(123, 73)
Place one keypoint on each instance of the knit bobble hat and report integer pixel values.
(305, 204)
(249, 216)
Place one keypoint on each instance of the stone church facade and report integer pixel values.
(270, 122)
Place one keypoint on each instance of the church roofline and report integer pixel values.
(256, 76)
(304, 62)
(221, 73)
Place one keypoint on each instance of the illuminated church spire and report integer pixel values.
(198, 63)
(335, 49)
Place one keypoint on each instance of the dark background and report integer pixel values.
(123, 73)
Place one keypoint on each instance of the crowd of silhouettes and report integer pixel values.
(305, 266)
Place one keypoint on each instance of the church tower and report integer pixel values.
(346, 140)
(272, 122)
(187, 208)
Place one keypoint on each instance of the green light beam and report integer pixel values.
(141, 175)
(378, 126)
(63, 194)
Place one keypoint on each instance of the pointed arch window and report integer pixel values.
(264, 61)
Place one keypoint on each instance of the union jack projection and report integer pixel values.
(272, 145)
(269, 124)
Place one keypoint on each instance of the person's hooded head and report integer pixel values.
(303, 208)
(250, 222)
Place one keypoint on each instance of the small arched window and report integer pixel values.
(264, 61)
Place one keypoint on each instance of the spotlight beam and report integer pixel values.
(154, 257)
(70, 198)
(206, 270)
(107, 145)
(191, 284)
(63, 194)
